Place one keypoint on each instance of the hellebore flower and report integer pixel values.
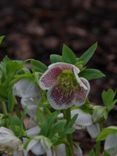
(39, 145)
(65, 87)
(35, 147)
(29, 93)
(8, 141)
(84, 120)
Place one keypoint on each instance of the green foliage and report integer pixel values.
(91, 74)
(107, 131)
(54, 128)
(11, 101)
(108, 98)
(16, 125)
(68, 55)
(55, 58)
(106, 154)
(1, 39)
(38, 66)
(87, 55)
(8, 70)
(99, 113)
(91, 153)
(87, 107)
(2, 120)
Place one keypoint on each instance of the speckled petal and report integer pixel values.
(80, 93)
(58, 99)
(48, 79)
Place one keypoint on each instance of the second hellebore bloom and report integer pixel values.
(29, 93)
(8, 141)
(65, 87)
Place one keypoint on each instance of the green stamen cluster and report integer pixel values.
(67, 81)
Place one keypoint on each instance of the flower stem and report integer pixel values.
(97, 149)
(98, 144)
(69, 146)
(4, 109)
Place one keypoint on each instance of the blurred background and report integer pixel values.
(38, 28)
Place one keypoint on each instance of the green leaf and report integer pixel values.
(87, 107)
(9, 70)
(38, 66)
(55, 58)
(99, 113)
(91, 74)
(16, 125)
(11, 101)
(68, 55)
(3, 92)
(69, 128)
(41, 118)
(46, 121)
(72, 121)
(86, 56)
(1, 38)
(2, 120)
(108, 98)
(105, 132)
(91, 153)
(106, 153)
(58, 127)
(13, 67)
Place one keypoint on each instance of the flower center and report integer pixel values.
(67, 81)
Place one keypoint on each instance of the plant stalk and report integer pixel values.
(4, 109)
(98, 144)
(97, 150)
(69, 146)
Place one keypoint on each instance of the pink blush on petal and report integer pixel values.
(49, 78)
